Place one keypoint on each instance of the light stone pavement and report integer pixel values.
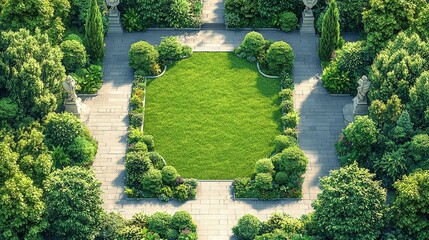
(214, 210)
(213, 11)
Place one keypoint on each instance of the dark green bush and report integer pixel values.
(169, 175)
(138, 147)
(291, 119)
(355, 59)
(264, 166)
(281, 178)
(252, 45)
(111, 224)
(287, 81)
(74, 37)
(82, 152)
(149, 141)
(419, 149)
(143, 56)
(60, 158)
(159, 223)
(293, 161)
(330, 32)
(79, 11)
(166, 194)
(94, 33)
(62, 129)
(351, 14)
(181, 192)
(247, 227)
(292, 132)
(287, 21)
(157, 160)
(136, 164)
(183, 220)
(74, 55)
(286, 93)
(287, 105)
(169, 50)
(151, 182)
(135, 136)
(89, 79)
(233, 20)
(281, 142)
(242, 188)
(391, 166)
(9, 110)
(280, 58)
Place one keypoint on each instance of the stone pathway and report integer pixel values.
(214, 210)
(213, 11)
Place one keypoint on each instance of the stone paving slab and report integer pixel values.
(214, 210)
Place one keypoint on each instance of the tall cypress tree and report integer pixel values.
(330, 32)
(94, 38)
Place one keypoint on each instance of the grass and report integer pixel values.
(213, 116)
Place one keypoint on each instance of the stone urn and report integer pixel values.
(113, 4)
(309, 4)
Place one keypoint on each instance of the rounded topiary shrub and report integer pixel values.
(280, 58)
(282, 178)
(264, 166)
(169, 175)
(169, 49)
(151, 182)
(247, 227)
(287, 21)
(287, 105)
(252, 45)
(281, 142)
(143, 56)
(62, 128)
(138, 147)
(74, 55)
(73, 37)
(293, 161)
(159, 223)
(182, 193)
(136, 164)
(82, 152)
(149, 141)
(264, 181)
(157, 160)
(291, 119)
(286, 93)
(182, 220)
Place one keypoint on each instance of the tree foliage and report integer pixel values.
(330, 32)
(351, 205)
(73, 203)
(94, 33)
(31, 71)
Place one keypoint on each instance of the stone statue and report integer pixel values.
(362, 89)
(309, 4)
(113, 7)
(70, 86)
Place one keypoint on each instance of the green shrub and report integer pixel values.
(135, 136)
(287, 81)
(149, 141)
(291, 119)
(287, 21)
(411, 204)
(292, 132)
(159, 223)
(62, 128)
(136, 164)
(157, 160)
(351, 14)
(74, 55)
(419, 149)
(187, 236)
(264, 166)
(357, 140)
(247, 227)
(365, 199)
(166, 194)
(281, 142)
(287, 105)
(183, 220)
(264, 181)
(9, 110)
(139, 147)
(280, 58)
(286, 93)
(60, 158)
(355, 59)
(171, 234)
(89, 79)
(74, 37)
(293, 161)
(419, 100)
(336, 81)
(169, 50)
(151, 182)
(391, 166)
(143, 56)
(82, 152)
(330, 32)
(181, 192)
(252, 45)
(132, 21)
(242, 188)
(111, 224)
(282, 178)
(233, 20)
(169, 175)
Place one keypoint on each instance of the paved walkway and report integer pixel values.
(214, 210)
(213, 11)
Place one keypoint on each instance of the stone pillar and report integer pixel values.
(115, 25)
(359, 106)
(307, 26)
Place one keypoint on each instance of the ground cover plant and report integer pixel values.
(212, 116)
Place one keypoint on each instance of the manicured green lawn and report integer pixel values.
(213, 116)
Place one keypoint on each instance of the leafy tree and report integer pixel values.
(419, 100)
(330, 32)
(31, 71)
(351, 14)
(386, 18)
(421, 24)
(247, 227)
(8, 165)
(79, 11)
(21, 208)
(73, 203)
(46, 15)
(411, 206)
(94, 33)
(396, 68)
(351, 205)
